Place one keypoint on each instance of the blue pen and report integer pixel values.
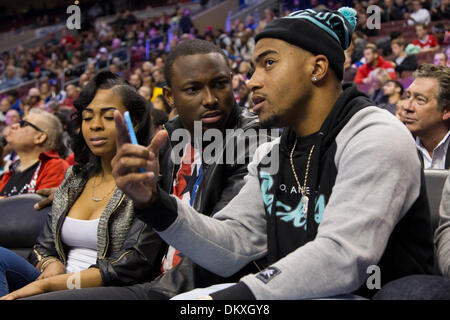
(131, 132)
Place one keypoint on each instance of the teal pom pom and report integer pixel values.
(350, 15)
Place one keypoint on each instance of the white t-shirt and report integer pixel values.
(81, 238)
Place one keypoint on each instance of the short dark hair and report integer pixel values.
(166, 105)
(138, 107)
(159, 117)
(398, 85)
(442, 75)
(186, 48)
(13, 93)
(423, 25)
(371, 48)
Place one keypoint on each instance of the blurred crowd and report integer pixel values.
(380, 62)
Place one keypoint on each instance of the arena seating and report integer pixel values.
(20, 223)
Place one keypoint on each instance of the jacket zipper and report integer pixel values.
(58, 233)
(107, 229)
(121, 256)
(37, 253)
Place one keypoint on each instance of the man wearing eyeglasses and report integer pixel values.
(35, 139)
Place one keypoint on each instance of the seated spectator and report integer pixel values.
(438, 32)
(373, 61)
(55, 93)
(400, 4)
(161, 103)
(10, 79)
(72, 93)
(442, 11)
(116, 68)
(12, 117)
(159, 118)
(391, 12)
(377, 79)
(99, 239)
(66, 39)
(440, 59)
(349, 68)
(14, 100)
(356, 48)
(129, 17)
(35, 140)
(362, 25)
(136, 81)
(75, 68)
(392, 90)
(425, 41)
(44, 89)
(418, 14)
(158, 77)
(427, 114)
(185, 23)
(403, 61)
(102, 59)
(145, 92)
(244, 96)
(400, 108)
(447, 53)
(84, 79)
(34, 98)
(156, 91)
(236, 81)
(4, 107)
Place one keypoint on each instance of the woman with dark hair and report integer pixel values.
(161, 103)
(92, 237)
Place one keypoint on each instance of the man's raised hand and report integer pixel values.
(140, 187)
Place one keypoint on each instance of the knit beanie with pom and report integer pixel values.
(317, 31)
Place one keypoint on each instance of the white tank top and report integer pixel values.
(80, 236)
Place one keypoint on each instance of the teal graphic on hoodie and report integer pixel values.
(286, 212)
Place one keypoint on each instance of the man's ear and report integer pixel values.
(167, 92)
(446, 114)
(40, 138)
(321, 65)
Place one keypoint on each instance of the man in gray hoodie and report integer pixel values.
(346, 196)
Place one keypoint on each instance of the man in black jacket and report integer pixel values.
(199, 80)
(403, 62)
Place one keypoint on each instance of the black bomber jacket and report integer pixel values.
(220, 183)
(128, 250)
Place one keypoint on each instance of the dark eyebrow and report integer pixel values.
(263, 54)
(102, 110)
(417, 94)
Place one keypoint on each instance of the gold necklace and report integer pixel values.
(100, 199)
(305, 199)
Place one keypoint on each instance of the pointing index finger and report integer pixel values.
(122, 133)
